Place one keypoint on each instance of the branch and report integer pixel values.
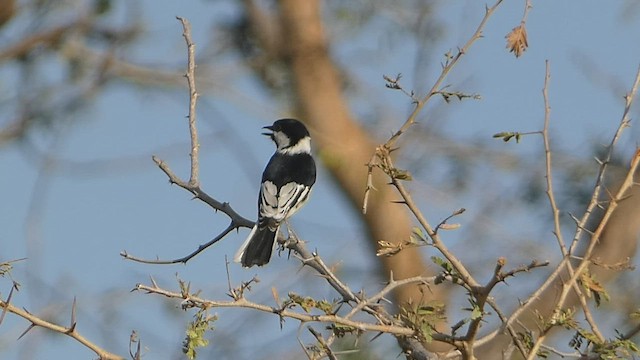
(420, 104)
(69, 331)
(196, 301)
(193, 185)
(624, 123)
(448, 66)
(464, 274)
(547, 152)
(193, 98)
(481, 296)
(44, 38)
(185, 258)
(627, 184)
(323, 344)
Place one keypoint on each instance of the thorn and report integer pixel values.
(153, 282)
(377, 336)
(26, 331)
(73, 315)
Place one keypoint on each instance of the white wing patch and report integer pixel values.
(280, 205)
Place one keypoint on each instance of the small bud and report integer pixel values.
(449, 226)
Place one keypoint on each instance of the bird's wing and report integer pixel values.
(279, 204)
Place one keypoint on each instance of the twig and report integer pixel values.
(481, 296)
(323, 343)
(315, 262)
(624, 123)
(193, 98)
(595, 236)
(443, 223)
(185, 258)
(420, 104)
(195, 301)
(512, 332)
(193, 185)
(391, 285)
(133, 339)
(443, 75)
(71, 331)
(464, 274)
(527, 7)
(47, 38)
(627, 184)
(547, 152)
(552, 201)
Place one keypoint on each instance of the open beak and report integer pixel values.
(269, 134)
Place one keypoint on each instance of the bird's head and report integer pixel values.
(290, 136)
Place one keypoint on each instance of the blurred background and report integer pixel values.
(91, 89)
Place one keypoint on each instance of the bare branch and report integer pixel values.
(571, 284)
(465, 275)
(420, 103)
(450, 64)
(70, 331)
(547, 152)
(193, 185)
(624, 123)
(193, 98)
(323, 343)
(185, 258)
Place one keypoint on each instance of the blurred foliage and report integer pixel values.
(196, 331)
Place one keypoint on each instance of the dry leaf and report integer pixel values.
(517, 40)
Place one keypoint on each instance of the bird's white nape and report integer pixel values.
(303, 146)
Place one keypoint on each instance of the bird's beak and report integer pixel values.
(269, 134)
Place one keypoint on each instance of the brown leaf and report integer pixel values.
(517, 40)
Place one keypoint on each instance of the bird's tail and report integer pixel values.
(257, 249)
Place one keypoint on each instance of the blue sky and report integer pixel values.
(105, 195)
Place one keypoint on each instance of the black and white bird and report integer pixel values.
(286, 185)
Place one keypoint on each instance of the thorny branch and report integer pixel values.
(547, 152)
(420, 104)
(193, 185)
(70, 331)
(384, 322)
(193, 99)
(192, 300)
(382, 159)
(596, 234)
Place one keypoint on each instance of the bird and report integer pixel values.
(286, 185)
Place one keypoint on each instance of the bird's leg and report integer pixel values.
(291, 239)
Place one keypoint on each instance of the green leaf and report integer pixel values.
(194, 335)
(476, 313)
(402, 175)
